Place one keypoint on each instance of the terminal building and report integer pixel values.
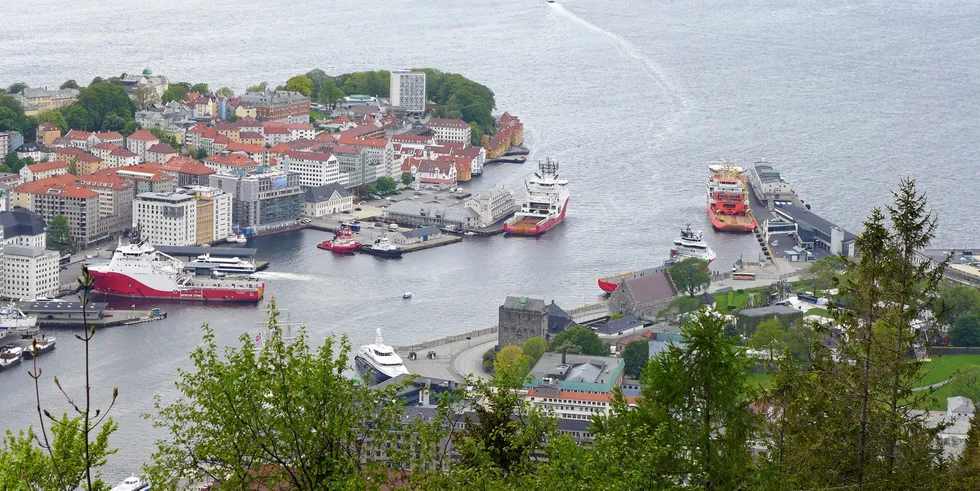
(481, 211)
(769, 187)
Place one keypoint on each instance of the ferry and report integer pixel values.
(609, 284)
(342, 243)
(222, 264)
(237, 239)
(141, 271)
(691, 244)
(382, 246)
(728, 200)
(544, 204)
(379, 360)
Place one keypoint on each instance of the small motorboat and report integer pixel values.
(10, 355)
(44, 345)
(469, 232)
(407, 295)
(241, 239)
(133, 483)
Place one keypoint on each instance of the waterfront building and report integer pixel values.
(279, 105)
(140, 142)
(327, 200)
(408, 90)
(35, 152)
(160, 153)
(213, 213)
(23, 227)
(166, 218)
(262, 200)
(9, 141)
(520, 319)
(315, 168)
(43, 99)
(643, 296)
(158, 83)
(413, 213)
(227, 162)
(510, 132)
(29, 272)
(43, 170)
(439, 173)
(417, 235)
(768, 186)
(492, 206)
(450, 130)
(115, 199)
(47, 133)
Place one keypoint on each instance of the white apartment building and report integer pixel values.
(450, 130)
(140, 142)
(34, 172)
(315, 168)
(220, 210)
(29, 272)
(408, 90)
(166, 218)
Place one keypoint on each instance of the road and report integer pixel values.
(453, 361)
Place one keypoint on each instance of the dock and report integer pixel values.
(61, 314)
(368, 233)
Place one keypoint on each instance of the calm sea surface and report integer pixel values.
(843, 97)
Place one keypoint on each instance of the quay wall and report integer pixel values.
(449, 339)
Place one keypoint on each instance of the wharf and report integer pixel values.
(369, 233)
(57, 313)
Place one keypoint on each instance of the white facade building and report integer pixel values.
(166, 218)
(327, 200)
(315, 168)
(140, 142)
(221, 209)
(408, 90)
(29, 272)
(450, 130)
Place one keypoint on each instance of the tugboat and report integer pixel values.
(44, 345)
(381, 247)
(690, 244)
(342, 243)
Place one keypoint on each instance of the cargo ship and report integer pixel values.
(728, 200)
(544, 204)
(609, 284)
(141, 271)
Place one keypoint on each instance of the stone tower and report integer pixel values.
(521, 318)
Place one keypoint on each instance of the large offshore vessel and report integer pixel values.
(140, 271)
(728, 200)
(544, 204)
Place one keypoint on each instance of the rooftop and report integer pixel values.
(21, 222)
(421, 231)
(24, 251)
(579, 372)
(525, 303)
(323, 193)
(168, 197)
(651, 288)
(620, 325)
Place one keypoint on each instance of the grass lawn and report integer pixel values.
(317, 115)
(761, 378)
(738, 301)
(944, 367)
(817, 311)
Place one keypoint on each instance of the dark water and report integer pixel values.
(844, 98)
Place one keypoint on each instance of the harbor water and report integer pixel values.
(845, 98)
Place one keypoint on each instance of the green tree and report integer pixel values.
(955, 301)
(175, 92)
(511, 356)
(53, 117)
(534, 349)
(130, 128)
(678, 307)
(635, 356)
(113, 122)
(225, 92)
(821, 274)
(283, 406)
(301, 84)
(768, 337)
(201, 88)
(261, 86)
(318, 77)
(407, 178)
(78, 118)
(59, 233)
(586, 339)
(370, 189)
(145, 96)
(475, 134)
(16, 88)
(69, 84)
(965, 474)
(12, 116)
(101, 100)
(385, 185)
(800, 338)
(201, 154)
(966, 331)
(329, 94)
(12, 162)
(690, 275)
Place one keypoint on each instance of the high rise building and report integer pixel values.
(166, 218)
(29, 272)
(408, 90)
(262, 200)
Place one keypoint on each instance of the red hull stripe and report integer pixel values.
(728, 227)
(121, 285)
(541, 228)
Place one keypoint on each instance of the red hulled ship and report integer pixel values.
(342, 243)
(728, 200)
(544, 204)
(609, 284)
(140, 271)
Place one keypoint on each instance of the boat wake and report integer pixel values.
(276, 275)
(629, 50)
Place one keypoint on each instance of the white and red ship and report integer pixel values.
(342, 243)
(140, 271)
(544, 204)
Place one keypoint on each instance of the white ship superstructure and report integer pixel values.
(380, 359)
(691, 244)
(545, 202)
(232, 265)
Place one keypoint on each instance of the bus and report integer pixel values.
(65, 259)
(743, 276)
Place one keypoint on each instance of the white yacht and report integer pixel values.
(13, 318)
(133, 483)
(690, 244)
(380, 360)
(222, 264)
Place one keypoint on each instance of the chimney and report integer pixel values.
(563, 352)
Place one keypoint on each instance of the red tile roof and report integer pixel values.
(580, 396)
(63, 190)
(46, 166)
(109, 135)
(161, 148)
(411, 138)
(198, 128)
(246, 147)
(76, 135)
(245, 135)
(46, 126)
(87, 157)
(280, 148)
(233, 159)
(364, 142)
(226, 127)
(110, 181)
(143, 135)
(122, 152)
(105, 146)
(440, 166)
(447, 123)
(186, 165)
(277, 130)
(153, 169)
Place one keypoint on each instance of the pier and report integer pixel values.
(61, 314)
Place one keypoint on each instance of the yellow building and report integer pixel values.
(245, 112)
(47, 133)
(44, 99)
(205, 220)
